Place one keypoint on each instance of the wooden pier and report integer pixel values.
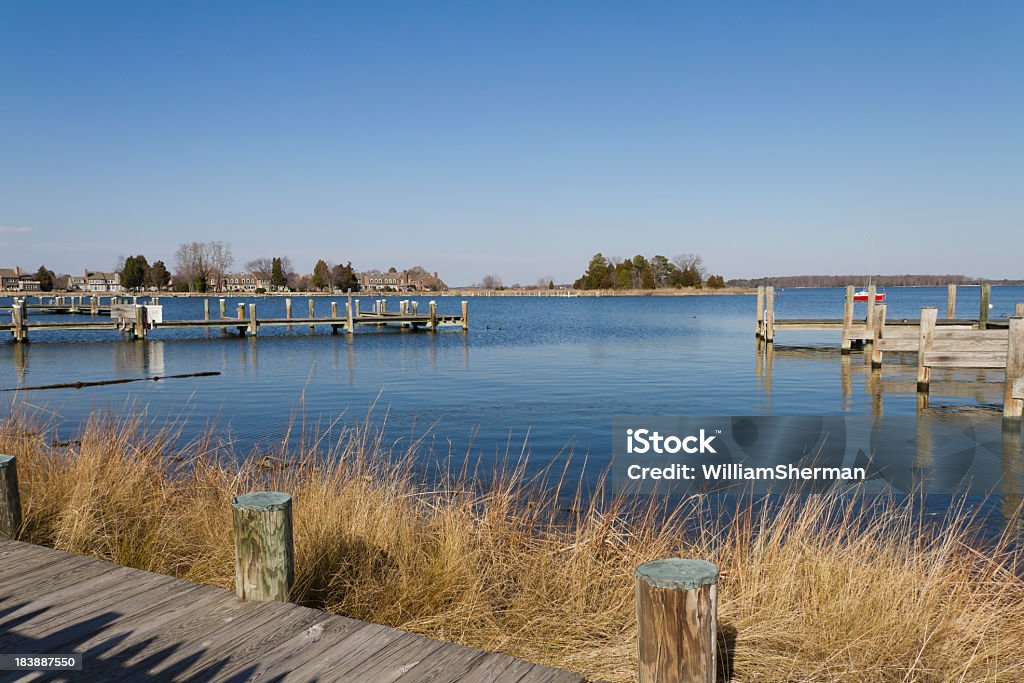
(133, 625)
(950, 343)
(137, 321)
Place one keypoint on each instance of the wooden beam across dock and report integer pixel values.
(129, 624)
(132, 319)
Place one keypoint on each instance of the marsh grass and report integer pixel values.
(812, 589)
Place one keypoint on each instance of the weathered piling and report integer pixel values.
(253, 329)
(141, 324)
(676, 613)
(847, 340)
(10, 498)
(264, 553)
(986, 294)
(878, 331)
(465, 315)
(951, 301)
(1013, 396)
(241, 311)
(350, 326)
(926, 340)
(769, 314)
(869, 319)
(206, 309)
(312, 313)
(759, 324)
(433, 316)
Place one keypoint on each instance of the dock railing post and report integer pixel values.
(878, 331)
(264, 553)
(951, 301)
(926, 341)
(10, 498)
(433, 316)
(465, 315)
(1012, 406)
(252, 320)
(769, 314)
(677, 621)
(846, 342)
(986, 294)
(759, 325)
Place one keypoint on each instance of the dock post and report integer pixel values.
(383, 306)
(769, 314)
(206, 309)
(925, 342)
(264, 553)
(139, 329)
(1019, 309)
(94, 305)
(869, 319)
(18, 319)
(241, 311)
(951, 301)
(465, 315)
(879, 331)
(415, 307)
(10, 498)
(355, 308)
(223, 314)
(986, 294)
(759, 325)
(349, 322)
(677, 620)
(252, 320)
(847, 321)
(312, 313)
(1013, 402)
(433, 316)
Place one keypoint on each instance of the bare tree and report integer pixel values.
(684, 261)
(491, 281)
(202, 262)
(263, 268)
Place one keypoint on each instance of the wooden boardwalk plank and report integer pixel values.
(136, 625)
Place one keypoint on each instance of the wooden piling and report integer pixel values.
(869, 319)
(759, 324)
(677, 620)
(10, 498)
(769, 315)
(415, 307)
(253, 328)
(241, 311)
(349, 322)
(926, 340)
(264, 554)
(312, 313)
(465, 315)
(1019, 309)
(951, 301)
(18, 319)
(355, 308)
(433, 316)
(206, 309)
(846, 343)
(141, 322)
(1013, 406)
(986, 294)
(878, 330)
(223, 309)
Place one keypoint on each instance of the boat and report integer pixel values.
(862, 295)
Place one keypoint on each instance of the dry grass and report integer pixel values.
(810, 592)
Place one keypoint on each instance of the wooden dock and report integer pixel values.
(951, 343)
(137, 321)
(134, 625)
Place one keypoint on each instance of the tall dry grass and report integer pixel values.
(813, 590)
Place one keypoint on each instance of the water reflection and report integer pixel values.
(138, 357)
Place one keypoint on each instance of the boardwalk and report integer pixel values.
(135, 625)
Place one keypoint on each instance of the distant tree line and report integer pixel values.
(861, 280)
(640, 272)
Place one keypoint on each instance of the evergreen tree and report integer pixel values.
(46, 278)
(624, 275)
(278, 278)
(158, 276)
(343, 277)
(551, 284)
(321, 275)
(596, 274)
(133, 273)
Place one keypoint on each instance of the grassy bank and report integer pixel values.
(813, 593)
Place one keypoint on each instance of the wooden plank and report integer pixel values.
(991, 334)
(966, 359)
(992, 345)
(399, 658)
(897, 344)
(348, 652)
(1018, 389)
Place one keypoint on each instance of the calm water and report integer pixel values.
(555, 370)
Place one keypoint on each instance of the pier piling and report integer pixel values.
(926, 341)
(986, 295)
(264, 552)
(677, 620)
(1013, 394)
(951, 301)
(10, 498)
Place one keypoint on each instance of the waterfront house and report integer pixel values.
(401, 281)
(95, 281)
(244, 282)
(14, 280)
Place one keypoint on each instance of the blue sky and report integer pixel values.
(516, 138)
